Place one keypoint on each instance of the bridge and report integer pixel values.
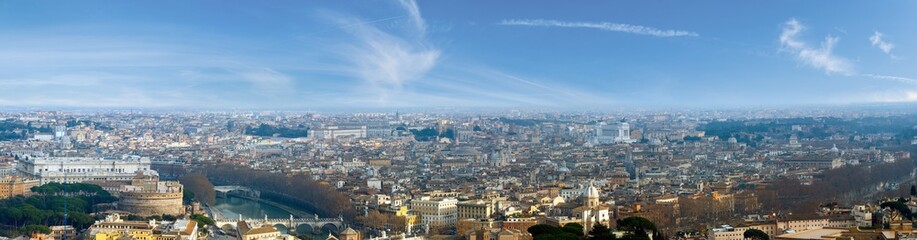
(314, 224)
(224, 191)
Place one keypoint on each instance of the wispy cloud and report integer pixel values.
(386, 61)
(401, 69)
(892, 78)
(112, 70)
(605, 26)
(498, 87)
(877, 41)
(821, 57)
(414, 12)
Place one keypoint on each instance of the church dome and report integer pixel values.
(591, 191)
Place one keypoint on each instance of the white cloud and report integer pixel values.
(474, 85)
(877, 41)
(821, 58)
(384, 61)
(414, 13)
(605, 26)
(397, 69)
(895, 96)
(110, 70)
(893, 78)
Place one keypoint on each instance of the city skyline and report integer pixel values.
(406, 54)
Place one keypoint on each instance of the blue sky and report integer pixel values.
(395, 54)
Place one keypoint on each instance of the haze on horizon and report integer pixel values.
(402, 53)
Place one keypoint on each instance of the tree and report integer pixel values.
(542, 229)
(199, 187)
(167, 217)
(397, 223)
(29, 229)
(549, 232)
(298, 190)
(634, 224)
(913, 190)
(558, 236)
(374, 219)
(755, 234)
(573, 228)
(187, 197)
(202, 220)
(600, 232)
(637, 228)
(900, 207)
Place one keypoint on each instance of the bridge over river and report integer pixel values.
(239, 203)
(223, 191)
(315, 224)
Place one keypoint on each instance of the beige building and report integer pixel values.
(852, 234)
(114, 228)
(435, 212)
(738, 233)
(11, 186)
(347, 234)
(63, 232)
(798, 225)
(265, 232)
(723, 204)
(779, 227)
(497, 234)
(474, 209)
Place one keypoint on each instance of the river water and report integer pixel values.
(231, 207)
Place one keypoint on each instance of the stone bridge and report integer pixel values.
(315, 224)
(224, 191)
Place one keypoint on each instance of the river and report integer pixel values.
(231, 207)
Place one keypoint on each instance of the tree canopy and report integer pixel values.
(200, 186)
(637, 228)
(632, 224)
(600, 232)
(266, 130)
(550, 232)
(202, 220)
(755, 234)
(430, 134)
(900, 207)
(50, 205)
(573, 228)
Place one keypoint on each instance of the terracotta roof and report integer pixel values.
(349, 231)
(261, 230)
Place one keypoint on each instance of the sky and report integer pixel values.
(404, 53)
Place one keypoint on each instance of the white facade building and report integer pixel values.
(81, 169)
(335, 132)
(612, 133)
(435, 213)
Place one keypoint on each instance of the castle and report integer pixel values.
(147, 196)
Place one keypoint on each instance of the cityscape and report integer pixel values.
(414, 120)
